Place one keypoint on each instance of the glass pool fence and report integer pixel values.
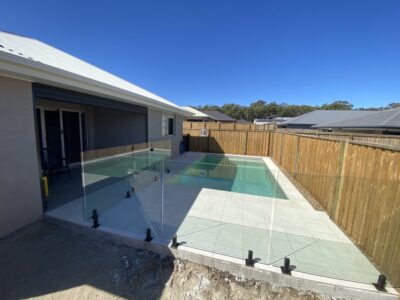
(241, 208)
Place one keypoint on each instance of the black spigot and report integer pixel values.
(175, 243)
(381, 283)
(95, 218)
(249, 260)
(148, 238)
(286, 269)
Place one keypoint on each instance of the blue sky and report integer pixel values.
(214, 52)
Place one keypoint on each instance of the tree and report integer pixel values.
(286, 110)
(208, 107)
(272, 109)
(261, 109)
(393, 105)
(337, 105)
(234, 110)
(257, 110)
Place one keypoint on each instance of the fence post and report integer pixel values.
(245, 144)
(334, 213)
(296, 158)
(208, 140)
(268, 142)
(219, 125)
(271, 151)
(234, 126)
(281, 150)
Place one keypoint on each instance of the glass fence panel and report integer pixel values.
(161, 147)
(257, 213)
(192, 205)
(123, 184)
(226, 204)
(361, 206)
(332, 259)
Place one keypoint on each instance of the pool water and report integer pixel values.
(228, 173)
(122, 166)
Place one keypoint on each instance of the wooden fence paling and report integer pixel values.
(247, 139)
(228, 126)
(338, 185)
(229, 141)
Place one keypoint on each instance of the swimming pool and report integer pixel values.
(229, 173)
(106, 180)
(124, 165)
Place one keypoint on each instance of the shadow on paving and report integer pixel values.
(45, 258)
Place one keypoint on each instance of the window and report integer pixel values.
(168, 126)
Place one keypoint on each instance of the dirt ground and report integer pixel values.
(49, 261)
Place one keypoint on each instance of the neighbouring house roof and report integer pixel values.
(195, 113)
(218, 116)
(385, 119)
(323, 116)
(30, 59)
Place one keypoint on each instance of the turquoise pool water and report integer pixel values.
(227, 173)
(122, 166)
(235, 174)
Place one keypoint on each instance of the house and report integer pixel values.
(308, 120)
(262, 121)
(217, 116)
(55, 105)
(277, 120)
(386, 121)
(242, 121)
(196, 115)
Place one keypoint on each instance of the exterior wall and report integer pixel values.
(178, 137)
(113, 128)
(20, 194)
(155, 124)
(155, 129)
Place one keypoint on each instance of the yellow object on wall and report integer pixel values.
(45, 186)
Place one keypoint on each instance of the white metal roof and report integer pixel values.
(195, 113)
(30, 59)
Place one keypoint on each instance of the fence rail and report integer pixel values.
(228, 126)
(357, 183)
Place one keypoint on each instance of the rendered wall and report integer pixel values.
(113, 128)
(20, 194)
(155, 129)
